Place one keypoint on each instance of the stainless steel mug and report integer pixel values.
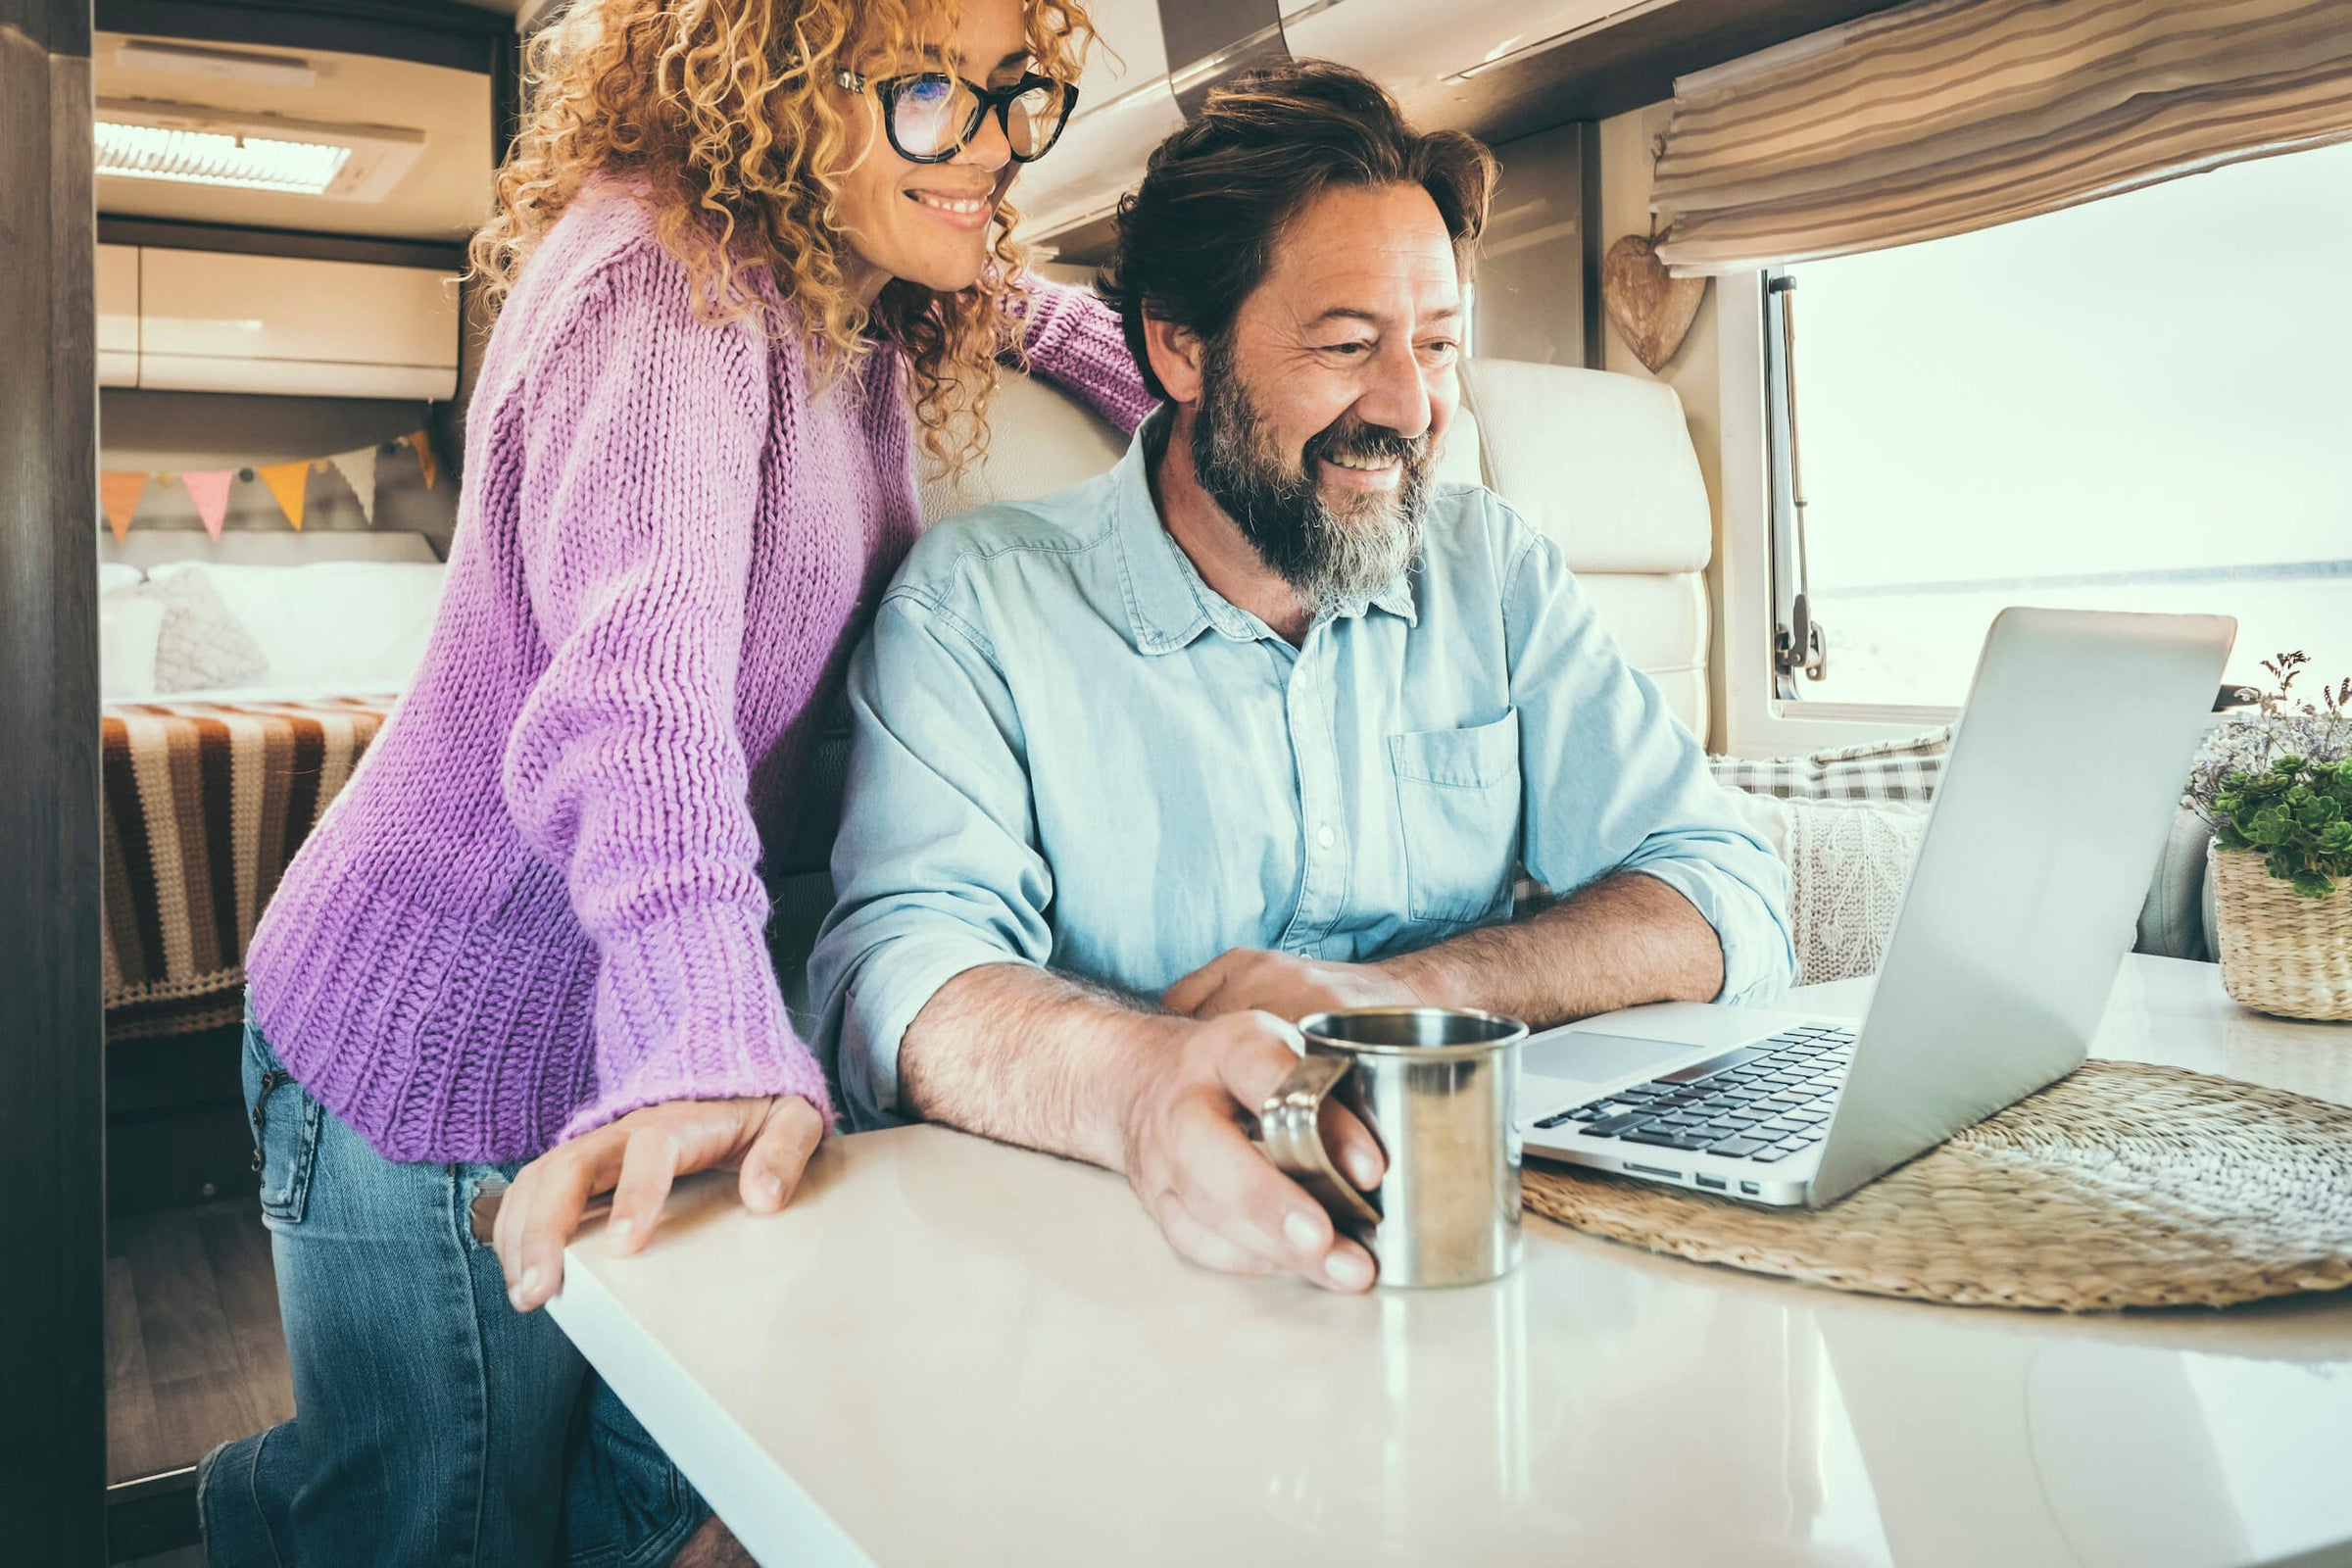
(1439, 1087)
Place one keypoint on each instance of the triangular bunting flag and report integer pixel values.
(118, 493)
(358, 469)
(287, 481)
(426, 463)
(209, 490)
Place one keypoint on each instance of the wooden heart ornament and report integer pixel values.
(1651, 310)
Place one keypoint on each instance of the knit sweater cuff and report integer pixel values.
(1074, 339)
(687, 1008)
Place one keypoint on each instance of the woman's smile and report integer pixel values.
(965, 210)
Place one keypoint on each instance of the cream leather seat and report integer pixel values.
(1604, 465)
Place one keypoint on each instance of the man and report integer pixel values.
(1261, 723)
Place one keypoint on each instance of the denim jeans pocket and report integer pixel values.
(285, 1130)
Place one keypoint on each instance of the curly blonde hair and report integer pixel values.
(719, 111)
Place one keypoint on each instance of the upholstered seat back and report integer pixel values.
(1603, 463)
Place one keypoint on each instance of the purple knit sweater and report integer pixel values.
(536, 906)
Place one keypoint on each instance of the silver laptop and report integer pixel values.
(2055, 802)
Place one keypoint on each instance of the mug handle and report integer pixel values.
(1287, 1125)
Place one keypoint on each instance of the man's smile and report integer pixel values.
(1361, 474)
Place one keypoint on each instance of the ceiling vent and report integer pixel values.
(231, 64)
(141, 138)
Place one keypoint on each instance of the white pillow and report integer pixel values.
(113, 574)
(128, 629)
(356, 624)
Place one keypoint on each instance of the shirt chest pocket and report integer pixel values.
(1457, 802)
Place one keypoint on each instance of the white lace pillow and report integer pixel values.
(1849, 863)
(202, 644)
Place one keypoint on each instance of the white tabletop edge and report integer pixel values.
(769, 1512)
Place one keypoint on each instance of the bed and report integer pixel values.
(243, 681)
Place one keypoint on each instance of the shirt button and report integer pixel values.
(1325, 838)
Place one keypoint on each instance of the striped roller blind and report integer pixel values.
(1946, 116)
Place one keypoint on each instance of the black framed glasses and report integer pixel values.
(931, 116)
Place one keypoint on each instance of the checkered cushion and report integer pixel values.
(1887, 770)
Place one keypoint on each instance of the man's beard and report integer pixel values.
(1329, 554)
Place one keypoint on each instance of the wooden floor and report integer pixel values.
(193, 1351)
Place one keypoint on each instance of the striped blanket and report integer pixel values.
(204, 805)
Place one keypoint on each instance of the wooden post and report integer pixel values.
(52, 1065)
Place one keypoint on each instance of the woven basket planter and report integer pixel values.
(2281, 951)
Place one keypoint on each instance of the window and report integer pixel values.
(2142, 402)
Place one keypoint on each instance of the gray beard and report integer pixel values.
(1330, 556)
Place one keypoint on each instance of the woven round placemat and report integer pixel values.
(2122, 1185)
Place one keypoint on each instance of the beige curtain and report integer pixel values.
(1946, 116)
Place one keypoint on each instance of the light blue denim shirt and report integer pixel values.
(1069, 751)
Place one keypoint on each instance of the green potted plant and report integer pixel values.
(2276, 785)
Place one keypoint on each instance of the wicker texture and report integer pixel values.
(2281, 953)
(2120, 1186)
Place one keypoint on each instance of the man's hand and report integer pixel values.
(1215, 1195)
(1241, 979)
(636, 1157)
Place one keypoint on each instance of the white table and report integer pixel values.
(950, 1352)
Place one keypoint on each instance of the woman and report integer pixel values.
(736, 240)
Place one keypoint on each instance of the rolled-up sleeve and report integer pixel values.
(1615, 783)
(936, 869)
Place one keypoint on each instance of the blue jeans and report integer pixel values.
(435, 1425)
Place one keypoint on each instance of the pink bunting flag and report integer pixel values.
(209, 488)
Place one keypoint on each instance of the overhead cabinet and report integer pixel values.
(1130, 94)
(117, 315)
(211, 322)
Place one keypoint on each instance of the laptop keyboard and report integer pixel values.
(1761, 1103)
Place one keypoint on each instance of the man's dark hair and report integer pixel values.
(1197, 237)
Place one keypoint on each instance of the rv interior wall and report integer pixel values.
(1537, 271)
(52, 1384)
(1626, 163)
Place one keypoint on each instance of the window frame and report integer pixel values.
(1759, 529)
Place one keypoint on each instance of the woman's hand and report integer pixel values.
(635, 1158)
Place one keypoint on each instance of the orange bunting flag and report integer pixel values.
(287, 481)
(118, 493)
(209, 491)
(426, 463)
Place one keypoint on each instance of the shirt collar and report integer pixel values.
(1396, 599)
(1168, 602)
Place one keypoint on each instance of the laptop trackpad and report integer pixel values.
(1587, 1057)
